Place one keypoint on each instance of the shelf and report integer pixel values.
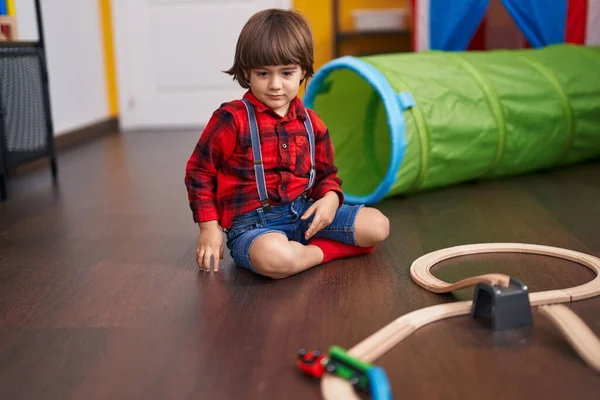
(352, 34)
(9, 27)
(18, 43)
(400, 33)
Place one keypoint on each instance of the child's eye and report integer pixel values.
(288, 73)
(261, 73)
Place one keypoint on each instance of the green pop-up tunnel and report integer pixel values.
(406, 122)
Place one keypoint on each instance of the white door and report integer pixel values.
(170, 55)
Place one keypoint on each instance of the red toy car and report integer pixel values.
(311, 362)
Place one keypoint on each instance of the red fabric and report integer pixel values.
(333, 250)
(415, 26)
(478, 42)
(220, 177)
(5, 31)
(576, 21)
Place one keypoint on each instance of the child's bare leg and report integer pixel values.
(275, 256)
(370, 227)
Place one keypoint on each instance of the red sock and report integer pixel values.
(334, 250)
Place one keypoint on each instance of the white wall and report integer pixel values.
(26, 20)
(74, 50)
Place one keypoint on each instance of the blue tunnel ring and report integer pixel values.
(395, 119)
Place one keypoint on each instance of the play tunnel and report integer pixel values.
(407, 122)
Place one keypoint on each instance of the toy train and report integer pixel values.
(362, 375)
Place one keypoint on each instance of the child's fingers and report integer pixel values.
(308, 232)
(217, 251)
(309, 212)
(216, 264)
(320, 221)
(199, 257)
(206, 260)
(315, 226)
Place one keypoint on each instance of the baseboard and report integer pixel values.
(85, 134)
(69, 140)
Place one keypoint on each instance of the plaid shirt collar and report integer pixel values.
(296, 107)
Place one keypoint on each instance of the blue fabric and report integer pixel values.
(454, 23)
(285, 219)
(395, 119)
(542, 22)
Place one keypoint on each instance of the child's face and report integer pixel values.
(276, 86)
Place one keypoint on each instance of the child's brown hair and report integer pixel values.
(273, 37)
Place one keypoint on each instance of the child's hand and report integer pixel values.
(210, 244)
(324, 210)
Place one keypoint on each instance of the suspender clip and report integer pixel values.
(266, 205)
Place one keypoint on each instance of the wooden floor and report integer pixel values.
(100, 296)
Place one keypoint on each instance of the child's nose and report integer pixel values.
(275, 83)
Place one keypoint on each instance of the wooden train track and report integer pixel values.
(576, 332)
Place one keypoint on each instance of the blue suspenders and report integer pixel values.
(259, 170)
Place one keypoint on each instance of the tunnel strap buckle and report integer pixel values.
(406, 100)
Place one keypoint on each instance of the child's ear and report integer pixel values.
(303, 74)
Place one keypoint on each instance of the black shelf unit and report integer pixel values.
(339, 36)
(26, 126)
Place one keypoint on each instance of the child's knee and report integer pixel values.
(381, 224)
(274, 267)
(375, 226)
(273, 259)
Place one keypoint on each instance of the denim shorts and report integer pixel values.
(285, 219)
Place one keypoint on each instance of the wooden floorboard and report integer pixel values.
(100, 296)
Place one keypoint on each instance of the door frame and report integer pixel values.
(123, 17)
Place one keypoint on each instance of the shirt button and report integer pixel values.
(284, 146)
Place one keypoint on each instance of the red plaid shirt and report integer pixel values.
(220, 176)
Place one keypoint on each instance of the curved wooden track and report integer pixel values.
(333, 387)
(579, 335)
